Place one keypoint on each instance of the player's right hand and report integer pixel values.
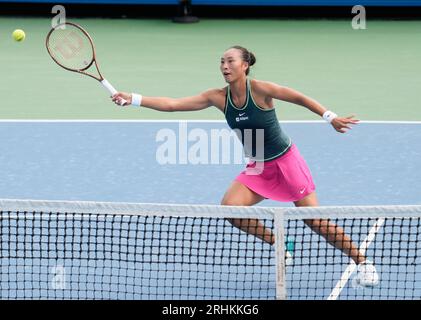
(120, 96)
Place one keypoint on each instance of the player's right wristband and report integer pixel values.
(136, 99)
(329, 116)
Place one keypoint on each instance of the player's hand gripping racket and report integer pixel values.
(72, 48)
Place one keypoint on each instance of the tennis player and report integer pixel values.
(248, 104)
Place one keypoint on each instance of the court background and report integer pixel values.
(310, 46)
(62, 138)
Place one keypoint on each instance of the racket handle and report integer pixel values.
(111, 89)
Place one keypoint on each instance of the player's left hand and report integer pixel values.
(343, 124)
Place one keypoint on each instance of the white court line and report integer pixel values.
(351, 267)
(176, 120)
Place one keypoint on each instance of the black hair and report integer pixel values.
(247, 56)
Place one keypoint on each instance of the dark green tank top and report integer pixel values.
(257, 128)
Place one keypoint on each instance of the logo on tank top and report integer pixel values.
(241, 117)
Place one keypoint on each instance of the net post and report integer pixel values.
(185, 13)
(280, 254)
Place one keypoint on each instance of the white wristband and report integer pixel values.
(329, 116)
(136, 99)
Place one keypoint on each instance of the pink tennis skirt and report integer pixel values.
(286, 178)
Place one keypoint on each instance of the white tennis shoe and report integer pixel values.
(367, 275)
(289, 259)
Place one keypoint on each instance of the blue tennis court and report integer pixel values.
(127, 207)
(373, 164)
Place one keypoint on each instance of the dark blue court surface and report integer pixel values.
(116, 161)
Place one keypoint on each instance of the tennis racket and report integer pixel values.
(72, 48)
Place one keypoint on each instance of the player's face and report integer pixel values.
(232, 65)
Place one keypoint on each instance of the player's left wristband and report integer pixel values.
(136, 99)
(329, 116)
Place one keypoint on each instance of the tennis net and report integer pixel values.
(94, 250)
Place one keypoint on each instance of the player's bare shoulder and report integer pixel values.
(263, 88)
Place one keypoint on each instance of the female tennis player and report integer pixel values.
(248, 104)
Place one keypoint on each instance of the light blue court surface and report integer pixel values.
(373, 164)
(116, 161)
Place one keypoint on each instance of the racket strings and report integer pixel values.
(71, 48)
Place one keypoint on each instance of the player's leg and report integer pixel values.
(334, 234)
(239, 195)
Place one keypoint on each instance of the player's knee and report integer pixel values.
(226, 201)
(231, 202)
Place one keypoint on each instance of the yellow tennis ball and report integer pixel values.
(18, 35)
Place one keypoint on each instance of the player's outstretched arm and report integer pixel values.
(198, 102)
(340, 124)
